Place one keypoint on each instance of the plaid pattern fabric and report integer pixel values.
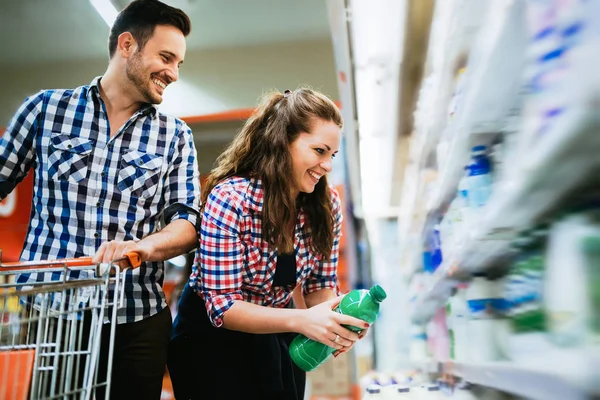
(235, 263)
(90, 188)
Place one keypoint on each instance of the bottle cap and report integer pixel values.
(479, 148)
(374, 389)
(378, 293)
(403, 389)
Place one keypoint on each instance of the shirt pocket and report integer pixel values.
(139, 174)
(68, 157)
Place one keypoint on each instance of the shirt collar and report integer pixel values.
(147, 109)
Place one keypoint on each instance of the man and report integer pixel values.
(109, 169)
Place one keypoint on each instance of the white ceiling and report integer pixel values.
(34, 31)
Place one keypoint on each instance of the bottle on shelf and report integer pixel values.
(479, 180)
(524, 293)
(373, 392)
(457, 314)
(481, 295)
(363, 304)
(402, 392)
(572, 280)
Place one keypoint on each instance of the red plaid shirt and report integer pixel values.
(235, 263)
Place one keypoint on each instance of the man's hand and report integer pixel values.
(116, 250)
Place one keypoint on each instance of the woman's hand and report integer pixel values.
(362, 334)
(322, 324)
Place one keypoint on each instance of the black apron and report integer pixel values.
(216, 363)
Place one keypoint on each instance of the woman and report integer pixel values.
(270, 223)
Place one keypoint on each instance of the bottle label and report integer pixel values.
(481, 308)
(479, 190)
(523, 292)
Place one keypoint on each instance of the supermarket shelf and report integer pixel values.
(494, 73)
(566, 158)
(553, 380)
(435, 295)
(476, 254)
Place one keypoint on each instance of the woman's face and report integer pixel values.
(312, 153)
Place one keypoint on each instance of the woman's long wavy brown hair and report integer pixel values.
(261, 150)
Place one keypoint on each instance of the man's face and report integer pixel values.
(156, 66)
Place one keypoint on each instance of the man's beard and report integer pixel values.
(135, 73)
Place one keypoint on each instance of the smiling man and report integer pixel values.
(113, 175)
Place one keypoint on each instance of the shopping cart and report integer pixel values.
(51, 332)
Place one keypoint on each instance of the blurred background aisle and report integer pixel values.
(469, 169)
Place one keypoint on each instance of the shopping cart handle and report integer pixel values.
(69, 262)
(134, 259)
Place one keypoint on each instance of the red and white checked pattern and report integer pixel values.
(235, 263)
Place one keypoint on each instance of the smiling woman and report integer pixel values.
(312, 154)
(270, 224)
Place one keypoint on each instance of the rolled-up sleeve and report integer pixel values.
(17, 144)
(324, 276)
(221, 254)
(182, 189)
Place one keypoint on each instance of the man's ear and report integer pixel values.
(126, 44)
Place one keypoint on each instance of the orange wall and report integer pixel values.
(14, 218)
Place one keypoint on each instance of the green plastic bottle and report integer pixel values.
(362, 304)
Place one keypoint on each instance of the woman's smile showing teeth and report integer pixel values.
(314, 175)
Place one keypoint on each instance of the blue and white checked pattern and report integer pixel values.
(235, 263)
(90, 188)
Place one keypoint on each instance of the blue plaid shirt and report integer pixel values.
(90, 188)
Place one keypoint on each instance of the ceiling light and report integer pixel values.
(107, 11)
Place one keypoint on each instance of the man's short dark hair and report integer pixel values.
(140, 17)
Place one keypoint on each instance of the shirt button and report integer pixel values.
(96, 234)
(103, 174)
(98, 204)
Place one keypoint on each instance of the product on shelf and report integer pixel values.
(373, 392)
(572, 280)
(524, 293)
(457, 315)
(402, 392)
(363, 304)
(481, 295)
(437, 336)
(418, 344)
(436, 248)
(479, 181)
